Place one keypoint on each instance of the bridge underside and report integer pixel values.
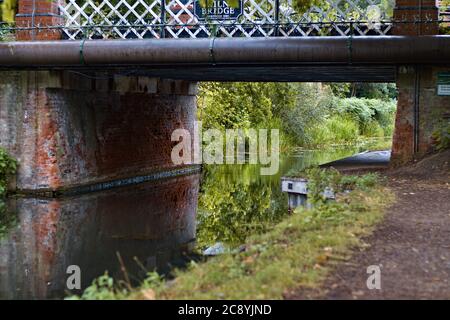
(258, 73)
(269, 73)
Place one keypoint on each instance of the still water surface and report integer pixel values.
(148, 226)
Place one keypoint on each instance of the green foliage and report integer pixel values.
(234, 105)
(441, 136)
(341, 90)
(8, 167)
(5, 33)
(105, 288)
(229, 211)
(102, 288)
(309, 108)
(8, 10)
(366, 111)
(303, 5)
(307, 114)
(319, 179)
(363, 182)
(338, 129)
(153, 280)
(356, 11)
(444, 27)
(380, 91)
(373, 129)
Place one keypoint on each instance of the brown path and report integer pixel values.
(412, 245)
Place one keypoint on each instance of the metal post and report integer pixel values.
(277, 17)
(163, 19)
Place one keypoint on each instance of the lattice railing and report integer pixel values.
(141, 19)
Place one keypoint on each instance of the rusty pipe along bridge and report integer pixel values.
(256, 40)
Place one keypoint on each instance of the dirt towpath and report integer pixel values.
(411, 245)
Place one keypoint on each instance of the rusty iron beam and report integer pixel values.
(389, 50)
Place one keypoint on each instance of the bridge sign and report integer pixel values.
(443, 84)
(218, 9)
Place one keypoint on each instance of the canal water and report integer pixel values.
(151, 226)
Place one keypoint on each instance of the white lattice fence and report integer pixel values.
(141, 19)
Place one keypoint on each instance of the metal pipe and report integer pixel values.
(416, 128)
(382, 50)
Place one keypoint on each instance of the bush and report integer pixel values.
(441, 137)
(366, 112)
(335, 130)
(7, 168)
(343, 129)
(373, 129)
(319, 179)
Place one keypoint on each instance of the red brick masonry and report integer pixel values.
(68, 130)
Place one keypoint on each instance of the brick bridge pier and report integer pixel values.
(419, 109)
(73, 132)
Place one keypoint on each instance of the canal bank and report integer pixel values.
(325, 252)
(273, 251)
(298, 251)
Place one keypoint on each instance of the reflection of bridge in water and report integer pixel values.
(89, 231)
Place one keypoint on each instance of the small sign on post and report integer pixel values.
(443, 84)
(218, 9)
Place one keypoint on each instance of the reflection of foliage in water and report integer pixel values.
(8, 167)
(8, 220)
(232, 209)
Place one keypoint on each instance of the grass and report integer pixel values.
(298, 252)
(379, 144)
(335, 130)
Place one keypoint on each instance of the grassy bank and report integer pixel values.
(299, 251)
